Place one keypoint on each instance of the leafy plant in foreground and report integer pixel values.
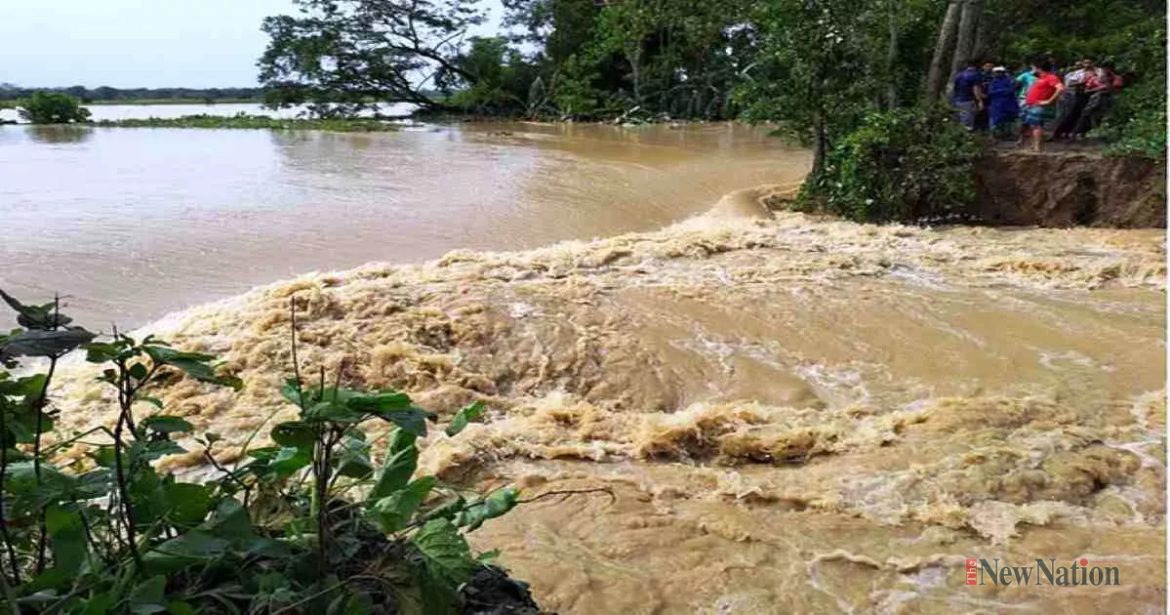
(311, 524)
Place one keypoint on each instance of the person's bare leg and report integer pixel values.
(1037, 138)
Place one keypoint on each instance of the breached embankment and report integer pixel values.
(1073, 187)
(791, 413)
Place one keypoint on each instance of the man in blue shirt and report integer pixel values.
(967, 96)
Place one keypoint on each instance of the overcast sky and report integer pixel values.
(133, 43)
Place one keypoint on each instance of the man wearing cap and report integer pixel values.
(1002, 108)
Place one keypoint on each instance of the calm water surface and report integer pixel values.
(134, 223)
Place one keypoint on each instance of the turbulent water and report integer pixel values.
(782, 413)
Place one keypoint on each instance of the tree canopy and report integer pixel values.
(815, 66)
(52, 108)
(345, 55)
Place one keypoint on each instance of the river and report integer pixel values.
(130, 224)
(759, 412)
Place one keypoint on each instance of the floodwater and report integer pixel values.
(126, 112)
(716, 409)
(130, 224)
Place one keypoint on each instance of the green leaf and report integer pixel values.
(149, 450)
(149, 596)
(99, 604)
(28, 494)
(35, 316)
(328, 411)
(295, 434)
(188, 503)
(137, 371)
(353, 458)
(412, 420)
(104, 456)
(378, 402)
(359, 603)
(190, 548)
(448, 509)
(39, 343)
(231, 521)
(102, 352)
(496, 504)
(289, 460)
(447, 562)
(194, 364)
(154, 401)
(292, 391)
(401, 462)
(67, 538)
(55, 578)
(181, 608)
(165, 424)
(464, 417)
(394, 512)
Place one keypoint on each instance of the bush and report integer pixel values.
(1137, 124)
(906, 165)
(52, 108)
(310, 524)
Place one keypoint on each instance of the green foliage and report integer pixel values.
(52, 108)
(253, 122)
(1137, 126)
(1130, 35)
(341, 57)
(311, 524)
(906, 165)
(501, 80)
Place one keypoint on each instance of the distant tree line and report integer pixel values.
(10, 91)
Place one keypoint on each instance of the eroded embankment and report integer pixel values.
(790, 413)
(1072, 187)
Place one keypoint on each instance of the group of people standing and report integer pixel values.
(1070, 104)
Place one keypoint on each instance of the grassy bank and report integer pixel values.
(252, 122)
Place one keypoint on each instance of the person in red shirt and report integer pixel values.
(1040, 104)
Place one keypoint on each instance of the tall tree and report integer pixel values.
(891, 53)
(968, 25)
(936, 78)
(344, 55)
(812, 69)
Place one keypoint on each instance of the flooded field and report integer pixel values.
(131, 224)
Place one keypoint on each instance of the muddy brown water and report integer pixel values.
(135, 223)
(762, 413)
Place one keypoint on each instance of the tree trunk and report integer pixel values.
(820, 147)
(982, 32)
(892, 55)
(635, 59)
(969, 22)
(946, 33)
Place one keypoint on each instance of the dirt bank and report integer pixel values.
(1070, 188)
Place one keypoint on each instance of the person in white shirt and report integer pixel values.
(1075, 99)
